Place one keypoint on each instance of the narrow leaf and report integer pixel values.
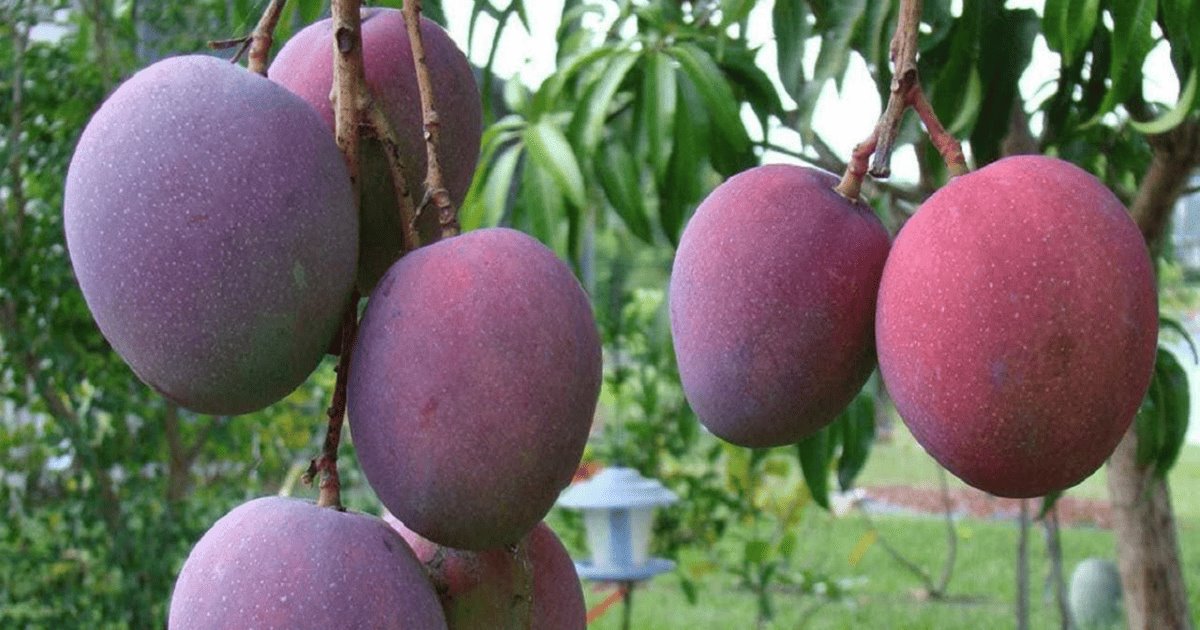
(499, 183)
(592, 112)
(789, 19)
(620, 179)
(714, 89)
(813, 453)
(550, 151)
(1150, 423)
(1131, 42)
(658, 106)
(858, 433)
(1175, 411)
(1178, 114)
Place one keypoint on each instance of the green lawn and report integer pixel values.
(882, 593)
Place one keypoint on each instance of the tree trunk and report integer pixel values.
(1143, 521)
(1147, 548)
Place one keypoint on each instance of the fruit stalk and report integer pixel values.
(330, 490)
(905, 92)
(435, 189)
(348, 97)
(263, 36)
(257, 42)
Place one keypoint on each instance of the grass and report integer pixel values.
(882, 594)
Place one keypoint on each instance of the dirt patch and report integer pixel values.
(1072, 511)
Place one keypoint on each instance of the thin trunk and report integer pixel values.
(1147, 548)
(1057, 583)
(1143, 521)
(1023, 569)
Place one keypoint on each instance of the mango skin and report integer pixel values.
(1017, 325)
(211, 227)
(772, 303)
(305, 66)
(478, 588)
(276, 562)
(472, 387)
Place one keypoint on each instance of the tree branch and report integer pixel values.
(262, 38)
(326, 463)
(435, 188)
(349, 100)
(905, 92)
(828, 160)
(258, 42)
(1176, 155)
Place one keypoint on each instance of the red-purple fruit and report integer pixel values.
(531, 585)
(1017, 325)
(472, 387)
(772, 301)
(305, 66)
(286, 563)
(211, 225)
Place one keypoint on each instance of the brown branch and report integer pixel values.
(951, 534)
(258, 42)
(826, 159)
(435, 188)
(905, 92)
(1176, 155)
(947, 145)
(262, 38)
(1143, 520)
(326, 463)
(1023, 568)
(349, 97)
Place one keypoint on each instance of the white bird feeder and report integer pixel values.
(618, 512)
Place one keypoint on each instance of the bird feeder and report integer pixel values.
(618, 513)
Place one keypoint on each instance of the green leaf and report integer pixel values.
(523, 13)
(551, 89)
(734, 11)
(1068, 26)
(756, 551)
(539, 209)
(1054, 25)
(789, 19)
(499, 182)
(550, 152)
(831, 62)
(959, 72)
(659, 92)
(621, 180)
(1175, 411)
(1178, 114)
(858, 433)
(1000, 68)
(1171, 323)
(682, 184)
(813, 452)
(751, 84)
(1132, 40)
(718, 97)
(1048, 503)
(1150, 423)
(592, 111)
